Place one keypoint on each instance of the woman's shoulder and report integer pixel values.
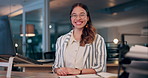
(99, 36)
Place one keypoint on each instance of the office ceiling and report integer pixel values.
(104, 13)
(8, 6)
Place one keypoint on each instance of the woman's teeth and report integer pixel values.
(79, 23)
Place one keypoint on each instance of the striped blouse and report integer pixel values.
(94, 54)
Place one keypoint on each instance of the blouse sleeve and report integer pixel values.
(56, 62)
(100, 65)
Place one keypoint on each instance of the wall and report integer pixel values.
(115, 32)
(134, 29)
(109, 33)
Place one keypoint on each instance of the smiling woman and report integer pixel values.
(82, 45)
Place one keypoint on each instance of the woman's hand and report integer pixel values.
(61, 71)
(67, 71)
(73, 71)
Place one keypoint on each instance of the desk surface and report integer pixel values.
(32, 65)
(112, 68)
(28, 75)
(46, 65)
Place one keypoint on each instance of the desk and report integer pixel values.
(111, 68)
(35, 67)
(28, 75)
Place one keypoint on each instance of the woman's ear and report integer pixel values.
(87, 18)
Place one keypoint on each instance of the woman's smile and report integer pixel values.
(78, 22)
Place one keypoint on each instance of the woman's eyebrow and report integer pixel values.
(79, 13)
(73, 13)
(82, 13)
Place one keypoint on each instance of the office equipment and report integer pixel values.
(35, 67)
(134, 56)
(139, 65)
(138, 52)
(5, 37)
(49, 55)
(6, 44)
(20, 59)
(112, 52)
(7, 50)
(8, 65)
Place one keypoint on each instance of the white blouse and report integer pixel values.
(73, 55)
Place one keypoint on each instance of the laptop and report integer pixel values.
(7, 48)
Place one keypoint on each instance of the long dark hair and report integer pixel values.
(88, 34)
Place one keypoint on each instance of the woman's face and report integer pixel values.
(79, 17)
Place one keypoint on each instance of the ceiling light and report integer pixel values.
(116, 41)
(50, 26)
(29, 30)
(16, 45)
(115, 13)
(111, 4)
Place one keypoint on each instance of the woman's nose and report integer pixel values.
(78, 17)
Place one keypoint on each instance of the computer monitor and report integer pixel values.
(6, 43)
(7, 48)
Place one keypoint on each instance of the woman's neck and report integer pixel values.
(77, 34)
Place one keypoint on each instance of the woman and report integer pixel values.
(81, 51)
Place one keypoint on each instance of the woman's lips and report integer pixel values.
(78, 22)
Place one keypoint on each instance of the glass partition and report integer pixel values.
(56, 30)
(34, 42)
(29, 29)
(15, 23)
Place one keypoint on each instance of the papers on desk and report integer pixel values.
(89, 76)
(99, 75)
(67, 77)
(138, 51)
(82, 76)
(137, 68)
(107, 75)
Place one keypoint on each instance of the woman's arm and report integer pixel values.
(57, 57)
(87, 71)
(100, 66)
(72, 71)
(63, 71)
